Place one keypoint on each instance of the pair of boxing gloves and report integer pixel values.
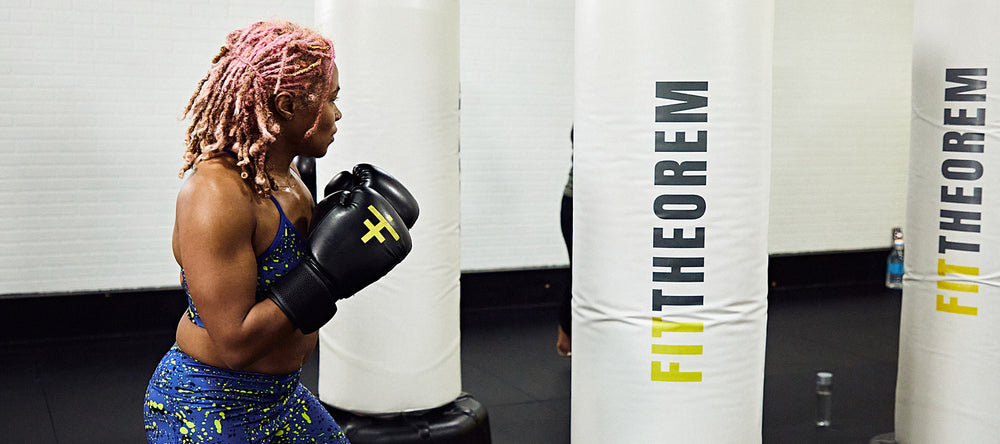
(359, 232)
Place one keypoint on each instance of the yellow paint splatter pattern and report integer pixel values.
(191, 402)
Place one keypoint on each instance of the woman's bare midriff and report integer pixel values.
(285, 358)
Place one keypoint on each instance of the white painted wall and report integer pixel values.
(91, 92)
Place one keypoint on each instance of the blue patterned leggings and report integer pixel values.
(191, 402)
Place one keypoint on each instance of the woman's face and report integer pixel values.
(317, 143)
(300, 119)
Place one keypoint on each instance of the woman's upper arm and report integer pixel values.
(215, 234)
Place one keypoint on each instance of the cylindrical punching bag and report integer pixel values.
(947, 384)
(672, 164)
(394, 346)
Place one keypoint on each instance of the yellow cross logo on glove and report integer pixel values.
(376, 230)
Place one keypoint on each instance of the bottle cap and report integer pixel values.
(824, 378)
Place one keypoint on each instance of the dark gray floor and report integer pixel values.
(89, 390)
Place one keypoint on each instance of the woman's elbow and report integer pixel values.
(237, 361)
(237, 354)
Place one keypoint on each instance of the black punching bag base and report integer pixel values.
(462, 421)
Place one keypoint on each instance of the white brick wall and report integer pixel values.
(517, 108)
(91, 94)
(841, 129)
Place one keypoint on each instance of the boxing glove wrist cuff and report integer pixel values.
(306, 296)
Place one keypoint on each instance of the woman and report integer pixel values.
(233, 375)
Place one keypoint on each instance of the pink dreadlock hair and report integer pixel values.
(231, 109)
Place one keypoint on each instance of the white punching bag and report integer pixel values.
(394, 346)
(671, 189)
(948, 389)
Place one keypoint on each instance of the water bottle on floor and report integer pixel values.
(894, 264)
(824, 398)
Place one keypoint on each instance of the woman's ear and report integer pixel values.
(284, 105)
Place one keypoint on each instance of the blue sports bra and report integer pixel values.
(283, 254)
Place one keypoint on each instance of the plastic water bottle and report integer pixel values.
(824, 398)
(894, 264)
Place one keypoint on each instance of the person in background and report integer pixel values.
(564, 341)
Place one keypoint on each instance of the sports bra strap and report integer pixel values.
(281, 212)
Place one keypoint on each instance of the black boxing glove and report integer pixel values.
(307, 172)
(356, 238)
(371, 176)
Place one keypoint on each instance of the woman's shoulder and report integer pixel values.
(214, 187)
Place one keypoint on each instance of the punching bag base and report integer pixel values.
(462, 421)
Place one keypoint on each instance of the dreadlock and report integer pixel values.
(231, 109)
